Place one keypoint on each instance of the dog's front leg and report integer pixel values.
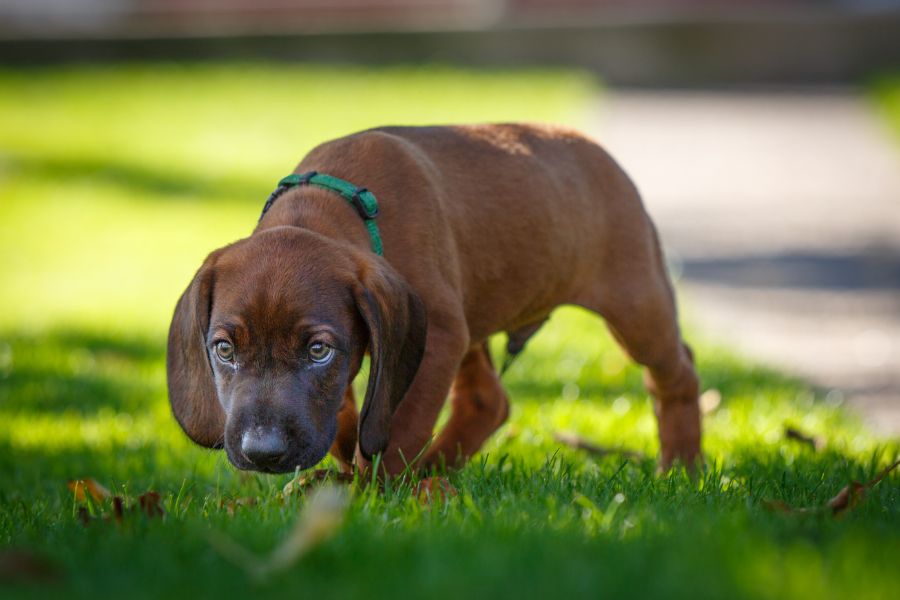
(345, 443)
(413, 423)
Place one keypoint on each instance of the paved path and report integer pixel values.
(781, 215)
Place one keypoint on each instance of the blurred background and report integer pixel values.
(137, 135)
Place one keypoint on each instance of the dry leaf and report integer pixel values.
(320, 519)
(80, 486)
(231, 506)
(435, 489)
(20, 565)
(816, 443)
(118, 509)
(570, 439)
(884, 473)
(310, 478)
(151, 504)
(84, 516)
(710, 401)
(780, 506)
(849, 497)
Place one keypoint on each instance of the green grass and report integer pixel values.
(886, 94)
(115, 182)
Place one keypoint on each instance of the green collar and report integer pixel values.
(360, 198)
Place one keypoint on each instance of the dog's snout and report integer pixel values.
(265, 448)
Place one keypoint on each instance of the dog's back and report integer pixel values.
(515, 217)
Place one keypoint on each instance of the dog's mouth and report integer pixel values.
(286, 464)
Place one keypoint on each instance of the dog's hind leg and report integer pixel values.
(479, 406)
(638, 304)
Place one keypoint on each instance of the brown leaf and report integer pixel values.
(84, 516)
(148, 503)
(579, 443)
(814, 442)
(884, 473)
(314, 478)
(151, 504)
(21, 565)
(845, 500)
(118, 509)
(778, 506)
(90, 486)
(435, 489)
(851, 495)
(232, 505)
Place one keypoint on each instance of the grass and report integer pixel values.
(115, 182)
(886, 94)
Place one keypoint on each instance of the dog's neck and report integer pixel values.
(318, 210)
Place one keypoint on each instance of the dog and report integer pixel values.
(483, 229)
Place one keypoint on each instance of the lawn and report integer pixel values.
(886, 96)
(115, 182)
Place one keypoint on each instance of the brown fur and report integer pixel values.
(486, 229)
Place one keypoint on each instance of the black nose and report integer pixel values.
(263, 447)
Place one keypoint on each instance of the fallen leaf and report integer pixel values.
(151, 504)
(816, 443)
(321, 517)
(97, 492)
(148, 503)
(84, 516)
(232, 505)
(118, 509)
(310, 478)
(21, 565)
(884, 473)
(579, 443)
(779, 506)
(846, 499)
(710, 401)
(434, 489)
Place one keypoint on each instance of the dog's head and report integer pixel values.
(269, 334)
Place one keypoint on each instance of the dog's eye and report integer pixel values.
(320, 352)
(225, 351)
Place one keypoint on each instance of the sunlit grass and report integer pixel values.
(114, 183)
(886, 94)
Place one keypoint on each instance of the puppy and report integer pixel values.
(460, 232)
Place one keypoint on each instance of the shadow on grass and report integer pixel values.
(79, 371)
(38, 470)
(176, 184)
(718, 369)
(84, 371)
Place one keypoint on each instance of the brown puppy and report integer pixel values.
(485, 229)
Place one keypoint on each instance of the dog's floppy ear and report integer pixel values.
(395, 318)
(192, 392)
